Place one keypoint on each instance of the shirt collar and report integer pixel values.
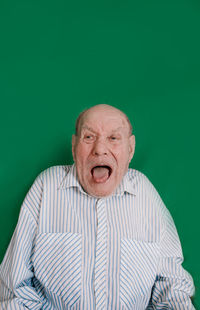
(126, 185)
(71, 180)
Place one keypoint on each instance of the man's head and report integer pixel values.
(102, 149)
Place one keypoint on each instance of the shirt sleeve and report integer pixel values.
(173, 286)
(17, 290)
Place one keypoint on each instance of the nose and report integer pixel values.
(100, 148)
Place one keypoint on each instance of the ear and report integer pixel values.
(131, 147)
(73, 146)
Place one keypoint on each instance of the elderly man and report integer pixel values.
(95, 235)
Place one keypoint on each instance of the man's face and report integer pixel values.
(102, 150)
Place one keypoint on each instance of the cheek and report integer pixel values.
(123, 164)
(82, 153)
(117, 151)
(121, 154)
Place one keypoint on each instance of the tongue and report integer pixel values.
(100, 174)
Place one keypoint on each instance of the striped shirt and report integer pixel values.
(73, 251)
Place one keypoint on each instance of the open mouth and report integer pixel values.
(101, 174)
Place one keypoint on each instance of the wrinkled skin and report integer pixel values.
(103, 139)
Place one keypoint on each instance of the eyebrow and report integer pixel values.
(117, 129)
(92, 130)
(88, 128)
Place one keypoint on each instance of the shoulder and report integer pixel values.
(144, 189)
(60, 170)
(139, 180)
(54, 174)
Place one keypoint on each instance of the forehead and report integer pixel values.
(104, 120)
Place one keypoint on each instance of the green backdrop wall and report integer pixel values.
(59, 57)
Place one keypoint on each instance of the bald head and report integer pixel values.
(102, 149)
(99, 109)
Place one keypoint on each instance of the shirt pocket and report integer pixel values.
(137, 272)
(57, 266)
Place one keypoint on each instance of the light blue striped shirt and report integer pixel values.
(73, 251)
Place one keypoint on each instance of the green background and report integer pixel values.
(60, 57)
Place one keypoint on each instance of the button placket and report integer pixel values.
(100, 262)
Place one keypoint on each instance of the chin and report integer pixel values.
(100, 192)
(100, 195)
